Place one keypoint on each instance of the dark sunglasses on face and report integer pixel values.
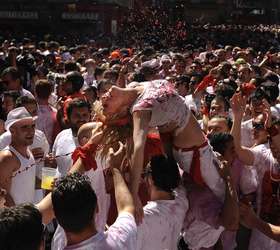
(258, 126)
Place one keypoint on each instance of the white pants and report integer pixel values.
(208, 170)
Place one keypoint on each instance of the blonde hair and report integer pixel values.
(112, 134)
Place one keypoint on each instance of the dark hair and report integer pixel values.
(98, 71)
(12, 71)
(13, 94)
(165, 173)
(138, 77)
(23, 100)
(71, 66)
(221, 98)
(228, 120)
(43, 89)
(76, 79)
(76, 103)
(74, 202)
(21, 227)
(218, 141)
(102, 82)
(183, 79)
(259, 94)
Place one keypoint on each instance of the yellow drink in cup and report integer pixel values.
(48, 175)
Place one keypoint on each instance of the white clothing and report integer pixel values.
(120, 236)
(97, 181)
(25, 92)
(162, 222)
(46, 121)
(39, 141)
(259, 241)
(202, 235)
(23, 183)
(166, 105)
(64, 145)
(263, 162)
(247, 133)
(275, 111)
(88, 79)
(191, 103)
(209, 171)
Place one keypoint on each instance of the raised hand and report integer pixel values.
(116, 158)
(266, 114)
(238, 104)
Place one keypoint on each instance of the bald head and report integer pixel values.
(85, 132)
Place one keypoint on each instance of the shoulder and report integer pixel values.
(124, 221)
(8, 160)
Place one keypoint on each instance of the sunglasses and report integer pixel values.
(258, 126)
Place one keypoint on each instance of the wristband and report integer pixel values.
(86, 153)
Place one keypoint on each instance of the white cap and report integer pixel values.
(16, 115)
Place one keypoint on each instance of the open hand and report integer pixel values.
(238, 104)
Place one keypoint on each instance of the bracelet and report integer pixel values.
(272, 131)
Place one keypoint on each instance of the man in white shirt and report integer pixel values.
(78, 113)
(265, 159)
(164, 214)
(75, 206)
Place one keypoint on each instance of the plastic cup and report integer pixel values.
(48, 175)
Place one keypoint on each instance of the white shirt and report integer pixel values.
(191, 103)
(25, 92)
(120, 236)
(64, 145)
(275, 111)
(46, 120)
(162, 223)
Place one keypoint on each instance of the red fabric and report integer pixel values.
(195, 170)
(248, 89)
(207, 81)
(87, 156)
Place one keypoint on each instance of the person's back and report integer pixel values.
(21, 228)
(165, 213)
(75, 207)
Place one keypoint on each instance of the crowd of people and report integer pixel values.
(168, 139)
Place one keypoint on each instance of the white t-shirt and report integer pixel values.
(162, 223)
(120, 236)
(263, 162)
(64, 145)
(275, 111)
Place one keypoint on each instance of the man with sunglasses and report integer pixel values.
(265, 158)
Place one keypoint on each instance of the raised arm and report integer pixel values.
(45, 205)
(140, 130)
(251, 220)
(238, 104)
